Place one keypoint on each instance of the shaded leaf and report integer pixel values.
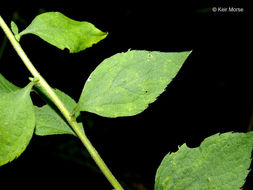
(63, 32)
(124, 84)
(49, 120)
(17, 122)
(221, 162)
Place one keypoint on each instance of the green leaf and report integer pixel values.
(14, 29)
(17, 122)
(124, 84)
(221, 162)
(63, 32)
(49, 120)
(6, 86)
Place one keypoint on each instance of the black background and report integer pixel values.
(212, 93)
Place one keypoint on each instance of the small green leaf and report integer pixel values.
(6, 86)
(124, 84)
(63, 32)
(50, 122)
(17, 122)
(14, 29)
(221, 162)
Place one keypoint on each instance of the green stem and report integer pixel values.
(70, 118)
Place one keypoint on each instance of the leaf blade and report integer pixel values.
(126, 83)
(17, 122)
(49, 120)
(63, 32)
(221, 162)
(6, 86)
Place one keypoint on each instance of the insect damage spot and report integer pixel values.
(149, 55)
(89, 79)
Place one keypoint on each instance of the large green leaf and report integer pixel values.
(17, 122)
(124, 84)
(63, 32)
(6, 86)
(49, 120)
(221, 162)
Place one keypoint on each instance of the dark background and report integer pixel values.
(212, 93)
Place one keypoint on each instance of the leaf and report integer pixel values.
(14, 29)
(63, 32)
(49, 120)
(124, 84)
(17, 122)
(6, 86)
(221, 162)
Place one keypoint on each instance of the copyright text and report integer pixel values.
(228, 9)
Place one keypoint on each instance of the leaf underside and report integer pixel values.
(63, 32)
(124, 84)
(221, 162)
(17, 122)
(49, 120)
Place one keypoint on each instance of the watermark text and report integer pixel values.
(228, 9)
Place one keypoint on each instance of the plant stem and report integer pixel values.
(70, 118)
